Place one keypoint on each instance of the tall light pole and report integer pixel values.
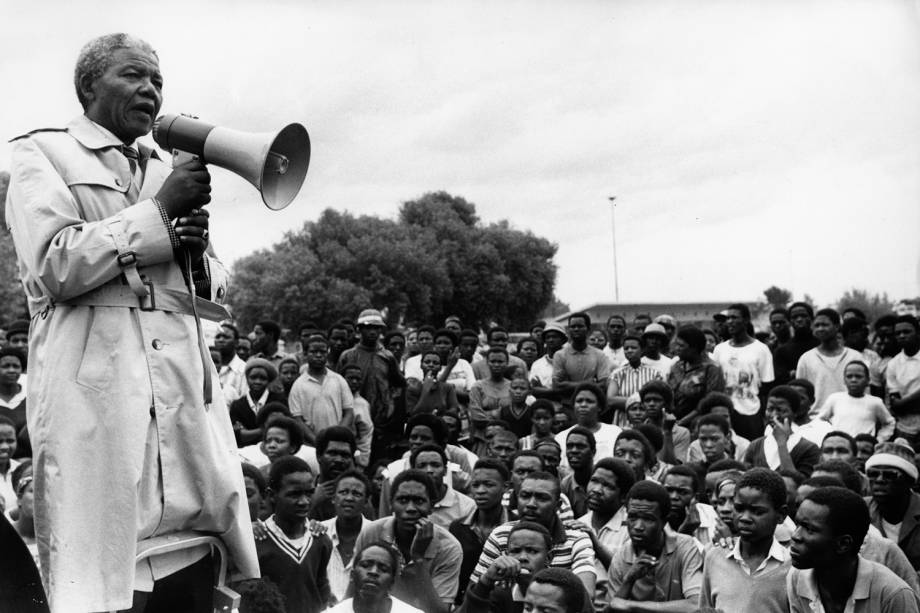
(613, 221)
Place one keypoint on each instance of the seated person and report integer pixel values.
(637, 451)
(717, 403)
(375, 571)
(448, 504)
(555, 590)
(687, 516)
(658, 403)
(782, 446)
(541, 413)
(349, 498)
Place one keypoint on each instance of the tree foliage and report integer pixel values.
(12, 296)
(777, 297)
(435, 260)
(873, 305)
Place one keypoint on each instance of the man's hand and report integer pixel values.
(424, 533)
(669, 421)
(192, 230)
(503, 569)
(187, 187)
(691, 521)
(644, 565)
(782, 430)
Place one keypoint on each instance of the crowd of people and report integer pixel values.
(629, 466)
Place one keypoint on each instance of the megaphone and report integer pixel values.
(274, 162)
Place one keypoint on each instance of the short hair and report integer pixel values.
(803, 305)
(533, 527)
(713, 400)
(741, 308)
(865, 437)
(859, 363)
(293, 428)
(354, 473)
(623, 472)
(887, 320)
(806, 385)
(726, 464)
(633, 337)
(339, 434)
(391, 335)
(662, 388)
(469, 333)
(694, 337)
(634, 435)
(542, 475)
(779, 311)
(574, 596)
(395, 556)
(417, 476)
(15, 352)
(506, 435)
(596, 391)
(847, 513)
(715, 420)
(313, 338)
(789, 395)
(579, 314)
(496, 465)
(232, 327)
(308, 325)
(612, 317)
(848, 475)
(831, 314)
(448, 334)
(293, 360)
(857, 312)
(434, 448)
(682, 470)
(767, 481)
(349, 367)
(823, 481)
(528, 339)
(500, 350)
(651, 491)
(853, 324)
(841, 434)
(96, 57)
(283, 467)
(256, 475)
(492, 332)
(432, 422)
(339, 325)
(259, 595)
(270, 409)
(908, 319)
(542, 404)
(501, 423)
(797, 477)
(528, 453)
(426, 328)
(654, 436)
(581, 430)
(271, 328)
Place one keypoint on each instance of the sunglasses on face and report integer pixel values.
(883, 474)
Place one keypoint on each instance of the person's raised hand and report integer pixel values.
(186, 188)
(424, 533)
(782, 430)
(503, 569)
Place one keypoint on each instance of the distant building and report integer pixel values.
(686, 313)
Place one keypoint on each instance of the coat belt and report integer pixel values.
(159, 299)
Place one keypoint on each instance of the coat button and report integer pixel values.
(157, 344)
(118, 182)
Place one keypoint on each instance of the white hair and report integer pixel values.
(96, 57)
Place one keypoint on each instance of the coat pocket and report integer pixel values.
(102, 348)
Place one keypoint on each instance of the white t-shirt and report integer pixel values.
(605, 439)
(825, 372)
(746, 369)
(662, 364)
(347, 606)
(866, 414)
(461, 376)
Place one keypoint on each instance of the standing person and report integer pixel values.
(88, 221)
(628, 379)
(655, 341)
(578, 362)
(541, 371)
(455, 371)
(693, 375)
(616, 331)
(854, 411)
(448, 504)
(518, 415)
(490, 395)
(340, 339)
(231, 374)
(528, 349)
(779, 325)
(265, 337)
(786, 356)
(382, 377)
(748, 369)
(431, 393)
(352, 493)
(824, 364)
(541, 413)
(828, 572)
(902, 379)
(320, 398)
(375, 571)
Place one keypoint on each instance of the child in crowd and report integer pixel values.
(541, 418)
(364, 425)
(782, 445)
(518, 415)
(25, 510)
(717, 403)
(281, 437)
(293, 557)
(854, 411)
(260, 373)
(288, 371)
(562, 419)
(7, 464)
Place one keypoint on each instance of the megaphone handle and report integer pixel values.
(181, 157)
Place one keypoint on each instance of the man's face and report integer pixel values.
(397, 346)
(523, 467)
(292, 500)
(468, 347)
(349, 498)
(713, 442)
(640, 322)
(616, 328)
(906, 336)
(305, 335)
(335, 460)
(253, 497)
(887, 482)
(454, 326)
(654, 406)
(410, 503)
(779, 408)
(453, 427)
(373, 573)
(443, 346)
(529, 549)
(420, 435)
(244, 348)
(499, 339)
(680, 491)
(502, 448)
(127, 97)
(836, 448)
(498, 363)
(864, 450)
(886, 340)
(542, 422)
(553, 341)
(486, 488)
(813, 542)
(544, 598)
(632, 453)
(735, 322)
(431, 364)
(644, 522)
(754, 515)
(538, 500)
(369, 335)
(633, 351)
(317, 353)
(779, 324)
(425, 341)
(528, 352)
(260, 340)
(225, 341)
(800, 318)
(552, 456)
(823, 328)
(858, 339)
(603, 493)
(561, 421)
(519, 390)
(578, 329)
(288, 373)
(578, 451)
(432, 464)
(339, 341)
(353, 378)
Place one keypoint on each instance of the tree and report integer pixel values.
(435, 260)
(777, 297)
(874, 306)
(12, 296)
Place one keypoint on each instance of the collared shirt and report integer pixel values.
(461, 375)
(573, 365)
(730, 585)
(629, 380)
(564, 512)
(453, 506)
(695, 452)
(338, 570)
(542, 371)
(232, 379)
(677, 576)
(826, 371)
(902, 376)
(256, 405)
(614, 533)
(11, 503)
(877, 590)
(572, 549)
(320, 402)
(443, 558)
(396, 606)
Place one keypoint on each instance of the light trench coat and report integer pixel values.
(124, 446)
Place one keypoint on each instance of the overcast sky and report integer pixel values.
(748, 143)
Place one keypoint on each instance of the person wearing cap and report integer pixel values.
(578, 362)
(670, 327)
(554, 337)
(259, 373)
(894, 507)
(655, 341)
(381, 376)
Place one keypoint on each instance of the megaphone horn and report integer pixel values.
(274, 162)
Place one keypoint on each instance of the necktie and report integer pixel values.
(133, 157)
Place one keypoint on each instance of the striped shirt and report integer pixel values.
(630, 380)
(564, 513)
(572, 550)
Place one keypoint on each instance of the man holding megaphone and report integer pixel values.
(130, 443)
